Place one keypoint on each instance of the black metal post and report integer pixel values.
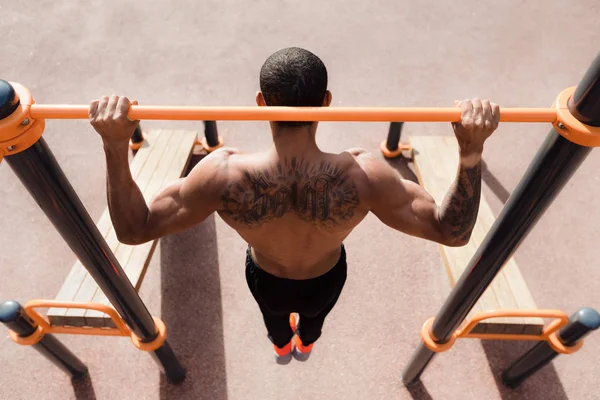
(14, 317)
(210, 133)
(585, 102)
(554, 164)
(138, 136)
(38, 170)
(582, 323)
(393, 137)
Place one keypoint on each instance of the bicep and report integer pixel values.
(169, 212)
(185, 202)
(405, 206)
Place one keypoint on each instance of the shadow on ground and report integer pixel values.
(402, 165)
(494, 184)
(543, 385)
(83, 388)
(191, 308)
(419, 392)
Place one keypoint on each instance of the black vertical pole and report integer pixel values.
(393, 137)
(582, 323)
(38, 170)
(14, 317)
(210, 133)
(554, 164)
(585, 102)
(137, 136)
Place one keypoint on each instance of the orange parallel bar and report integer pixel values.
(367, 114)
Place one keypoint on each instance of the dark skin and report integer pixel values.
(294, 204)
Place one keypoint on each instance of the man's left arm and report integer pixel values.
(184, 203)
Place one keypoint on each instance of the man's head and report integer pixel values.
(293, 77)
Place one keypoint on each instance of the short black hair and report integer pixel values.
(293, 77)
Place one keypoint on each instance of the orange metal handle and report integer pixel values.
(549, 334)
(367, 114)
(120, 330)
(560, 320)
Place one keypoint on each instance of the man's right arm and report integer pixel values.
(407, 207)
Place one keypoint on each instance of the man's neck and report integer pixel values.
(294, 141)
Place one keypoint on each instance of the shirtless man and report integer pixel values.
(293, 204)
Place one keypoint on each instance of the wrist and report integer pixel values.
(470, 159)
(115, 145)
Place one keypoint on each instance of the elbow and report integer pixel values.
(130, 238)
(457, 240)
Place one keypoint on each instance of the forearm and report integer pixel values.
(458, 213)
(128, 209)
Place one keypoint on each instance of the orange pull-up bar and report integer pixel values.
(367, 114)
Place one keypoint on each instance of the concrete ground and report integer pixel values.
(379, 53)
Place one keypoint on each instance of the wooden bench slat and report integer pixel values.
(436, 162)
(179, 158)
(79, 285)
(501, 284)
(88, 287)
(79, 273)
(444, 154)
(451, 262)
(492, 298)
(148, 184)
(509, 286)
(170, 168)
(533, 326)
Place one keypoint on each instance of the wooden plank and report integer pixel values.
(534, 326)
(509, 285)
(424, 168)
(171, 167)
(500, 285)
(445, 158)
(146, 182)
(165, 175)
(88, 287)
(436, 160)
(78, 273)
(448, 156)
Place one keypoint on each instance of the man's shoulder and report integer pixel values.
(222, 159)
(358, 152)
(213, 169)
(365, 160)
(224, 153)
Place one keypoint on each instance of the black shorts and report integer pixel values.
(312, 298)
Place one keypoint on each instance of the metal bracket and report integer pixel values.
(570, 127)
(549, 334)
(44, 327)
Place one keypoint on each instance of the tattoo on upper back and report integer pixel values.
(318, 192)
(462, 203)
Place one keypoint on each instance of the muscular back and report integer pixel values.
(294, 211)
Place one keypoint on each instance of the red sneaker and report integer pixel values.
(300, 351)
(283, 355)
